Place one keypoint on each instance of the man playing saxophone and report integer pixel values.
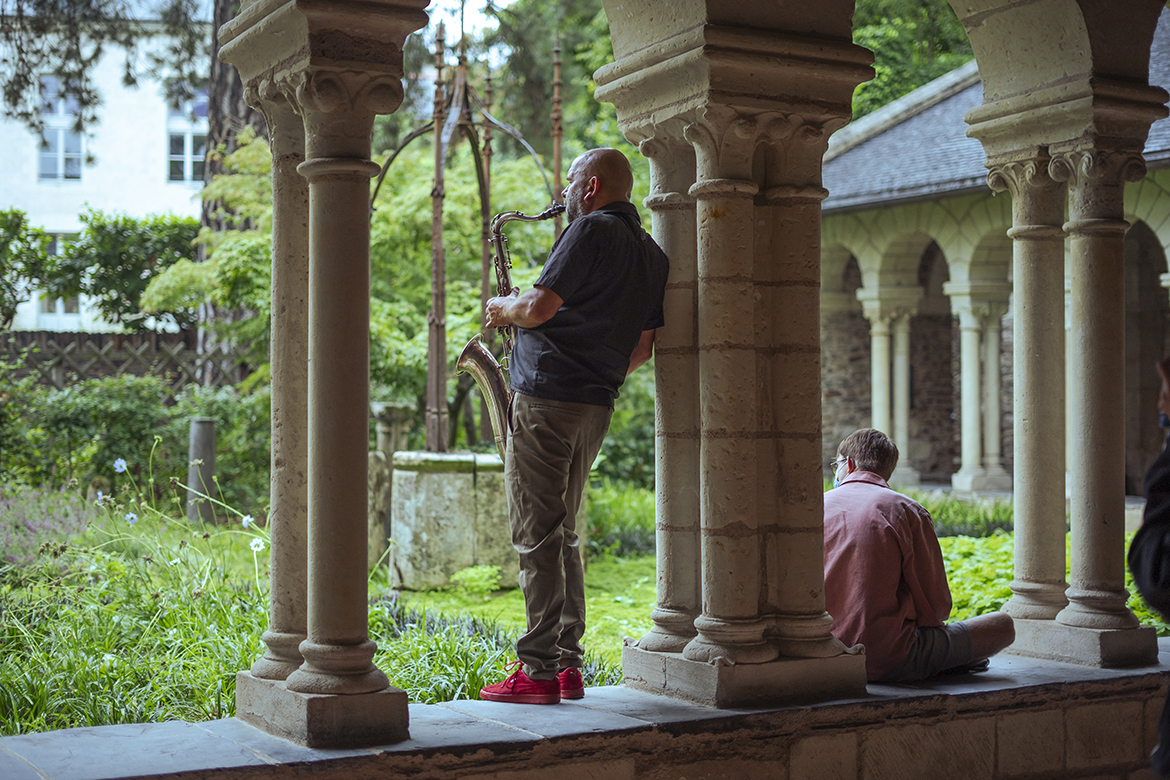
(584, 326)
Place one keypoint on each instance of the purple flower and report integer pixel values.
(120, 465)
(131, 518)
(247, 520)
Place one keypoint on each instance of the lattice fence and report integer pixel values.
(59, 359)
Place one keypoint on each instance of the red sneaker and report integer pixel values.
(519, 688)
(572, 686)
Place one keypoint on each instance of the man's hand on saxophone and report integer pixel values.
(526, 310)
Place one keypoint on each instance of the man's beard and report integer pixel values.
(572, 207)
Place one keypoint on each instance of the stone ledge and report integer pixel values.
(632, 734)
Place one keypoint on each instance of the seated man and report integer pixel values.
(885, 585)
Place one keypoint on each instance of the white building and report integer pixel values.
(142, 157)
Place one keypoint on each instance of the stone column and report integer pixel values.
(1096, 229)
(889, 310)
(339, 112)
(975, 303)
(789, 482)
(971, 446)
(905, 473)
(337, 70)
(288, 516)
(676, 378)
(994, 475)
(879, 373)
(1038, 390)
(730, 628)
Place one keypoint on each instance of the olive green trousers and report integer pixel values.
(551, 448)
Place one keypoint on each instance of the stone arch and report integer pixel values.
(1148, 201)
(1147, 338)
(1054, 57)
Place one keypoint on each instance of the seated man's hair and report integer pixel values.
(871, 450)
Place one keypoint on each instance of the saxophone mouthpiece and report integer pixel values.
(553, 210)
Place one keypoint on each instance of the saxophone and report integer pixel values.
(476, 359)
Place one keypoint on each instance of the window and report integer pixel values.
(187, 139)
(52, 311)
(186, 156)
(61, 150)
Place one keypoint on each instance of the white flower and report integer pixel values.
(175, 562)
(257, 545)
(131, 518)
(247, 521)
(120, 465)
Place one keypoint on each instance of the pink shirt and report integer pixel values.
(884, 574)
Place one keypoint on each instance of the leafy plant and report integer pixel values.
(115, 257)
(621, 519)
(478, 580)
(23, 257)
(31, 518)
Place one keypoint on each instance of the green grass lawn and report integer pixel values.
(619, 595)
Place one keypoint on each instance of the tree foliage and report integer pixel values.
(67, 38)
(913, 41)
(23, 257)
(115, 257)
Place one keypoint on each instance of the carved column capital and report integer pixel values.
(1081, 167)
(1019, 177)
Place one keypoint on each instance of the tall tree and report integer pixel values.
(67, 38)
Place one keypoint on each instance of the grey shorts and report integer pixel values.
(935, 649)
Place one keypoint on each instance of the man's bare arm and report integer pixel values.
(643, 352)
(535, 307)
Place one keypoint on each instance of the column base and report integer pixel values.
(905, 476)
(784, 681)
(981, 480)
(320, 720)
(994, 480)
(1086, 646)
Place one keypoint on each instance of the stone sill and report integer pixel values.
(614, 725)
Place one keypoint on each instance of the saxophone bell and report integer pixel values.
(476, 359)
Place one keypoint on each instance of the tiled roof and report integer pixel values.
(917, 147)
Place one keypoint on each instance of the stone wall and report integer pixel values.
(933, 445)
(845, 366)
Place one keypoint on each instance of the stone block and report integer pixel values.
(1087, 646)
(593, 770)
(731, 769)
(828, 757)
(1142, 774)
(322, 721)
(786, 681)
(1153, 713)
(1030, 742)
(959, 748)
(449, 512)
(493, 532)
(378, 507)
(1104, 734)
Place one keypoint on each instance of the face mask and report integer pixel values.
(837, 476)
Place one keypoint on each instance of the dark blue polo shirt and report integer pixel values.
(611, 276)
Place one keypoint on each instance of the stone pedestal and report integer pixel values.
(787, 680)
(1109, 648)
(449, 512)
(321, 720)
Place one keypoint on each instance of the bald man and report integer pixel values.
(585, 325)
